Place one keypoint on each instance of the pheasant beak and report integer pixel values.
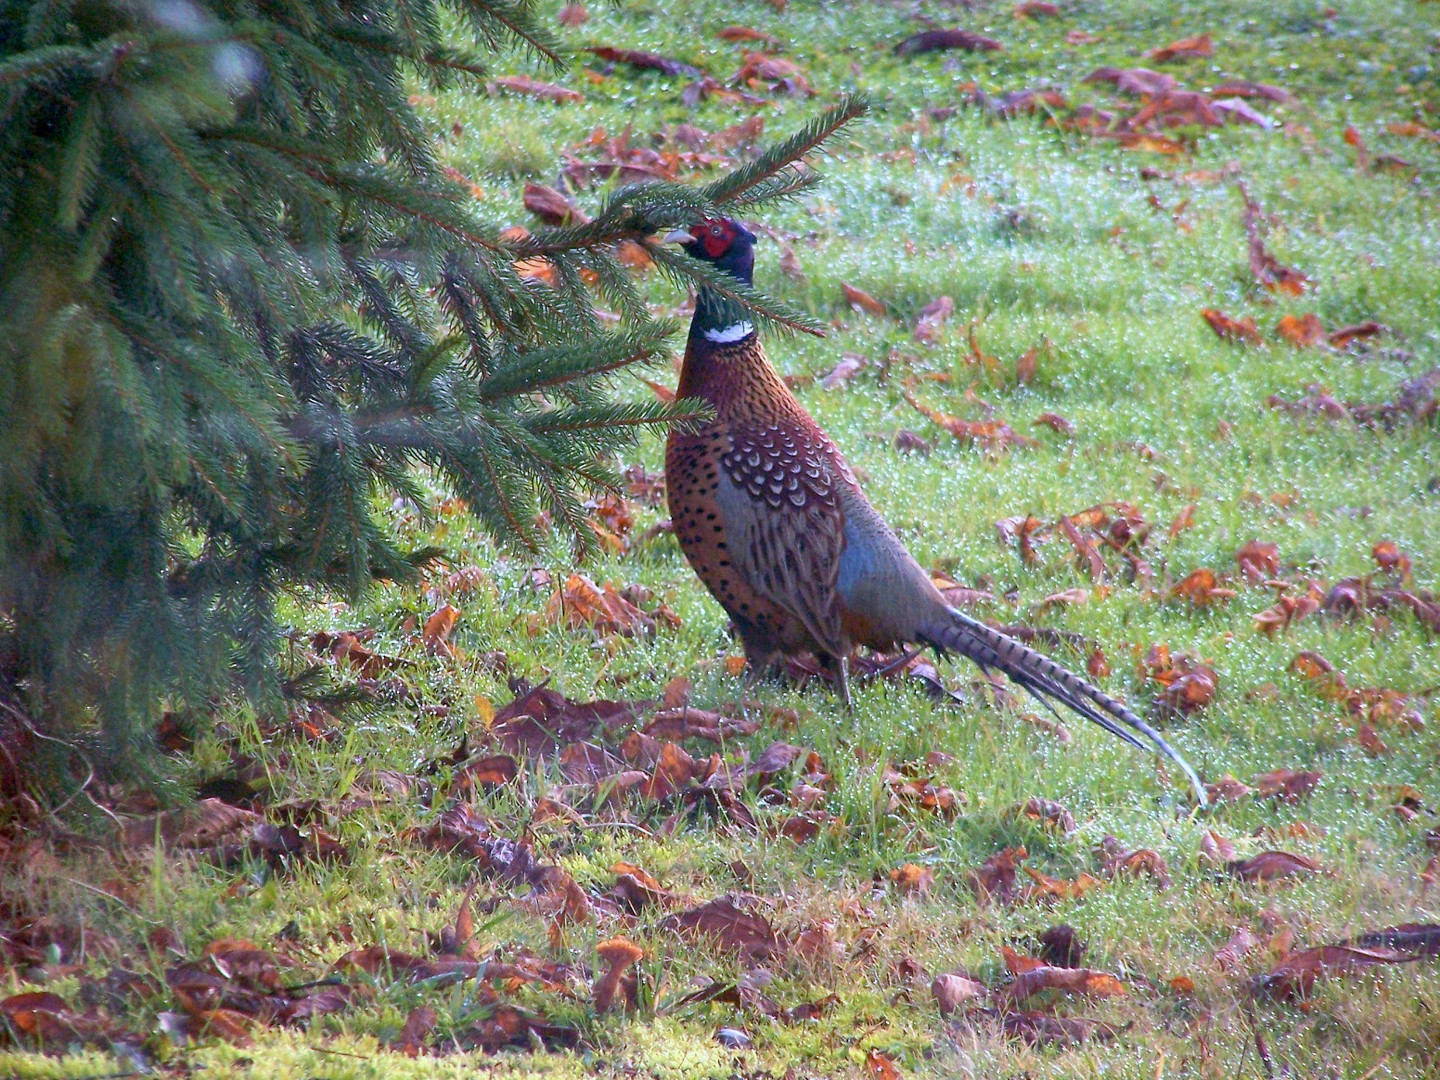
(678, 236)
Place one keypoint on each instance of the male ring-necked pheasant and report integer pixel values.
(771, 518)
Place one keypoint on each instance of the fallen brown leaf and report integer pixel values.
(1242, 330)
(1269, 865)
(1086, 981)
(419, 1022)
(731, 927)
(639, 59)
(1231, 953)
(952, 989)
(523, 84)
(935, 40)
(1422, 938)
(1304, 331)
(996, 879)
(1258, 561)
(1055, 422)
(1286, 785)
(1202, 588)
(746, 33)
(913, 879)
(880, 1066)
(1185, 49)
(436, 633)
(862, 301)
(932, 317)
(1215, 848)
(1266, 269)
(1297, 973)
(850, 364)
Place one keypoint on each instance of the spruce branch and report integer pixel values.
(784, 154)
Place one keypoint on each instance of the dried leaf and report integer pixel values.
(1047, 812)
(1201, 588)
(862, 301)
(1185, 519)
(1214, 848)
(746, 33)
(935, 40)
(932, 317)
(1305, 331)
(913, 879)
(437, 631)
(553, 207)
(1086, 981)
(1055, 422)
(1048, 888)
(1269, 865)
(1267, 270)
(850, 363)
(1242, 330)
(996, 879)
(1230, 954)
(1295, 975)
(990, 435)
(1390, 558)
(1137, 862)
(1227, 789)
(727, 925)
(418, 1024)
(523, 84)
(950, 990)
(1344, 336)
(1185, 49)
(1139, 81)
(1286, 785)
(1258, 561)
(652, 61)
(881, 1067)
(1422, 938)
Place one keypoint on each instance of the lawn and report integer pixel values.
(1110, 449)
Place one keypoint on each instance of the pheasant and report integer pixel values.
(771, 518)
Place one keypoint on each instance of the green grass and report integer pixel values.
(1045, 239)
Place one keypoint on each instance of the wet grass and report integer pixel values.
(1043, 239)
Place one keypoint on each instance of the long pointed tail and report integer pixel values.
(1048, 681)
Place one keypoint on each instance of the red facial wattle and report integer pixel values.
(716, 238)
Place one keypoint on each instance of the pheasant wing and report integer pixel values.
(785, 525)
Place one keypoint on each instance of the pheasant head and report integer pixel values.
(727, 245)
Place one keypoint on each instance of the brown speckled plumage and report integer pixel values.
(770, 516)
(774, 572)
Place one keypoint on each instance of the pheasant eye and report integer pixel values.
(715, 230)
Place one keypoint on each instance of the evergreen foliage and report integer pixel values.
(238, 298)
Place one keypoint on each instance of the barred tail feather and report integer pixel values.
(1048, 681)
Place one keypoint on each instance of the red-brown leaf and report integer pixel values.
(1186, 48)
(934, 40)
(1242, 330)
(1086, 981)
(1304, 331)
(861, 300)
(1269, 865)
(1295, 975)
(523, 84)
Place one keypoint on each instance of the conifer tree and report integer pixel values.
(238, 298)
